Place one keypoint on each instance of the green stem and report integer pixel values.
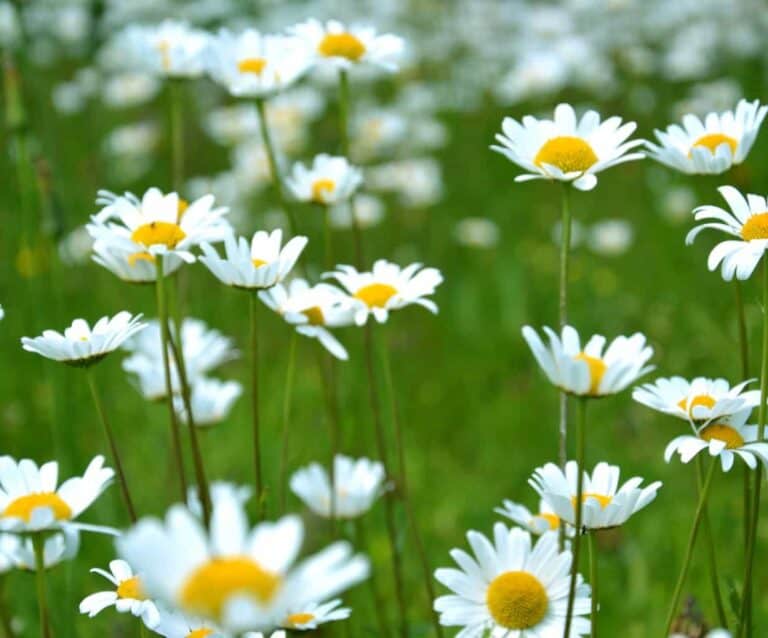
(565, 250)
(38, 543)
(288, 391)
(593, 578)
(742, 326)
(256, 422)
(697, 519)
(112, 445)
(373, 584)
(714, 573)
(582, 426)
(173, 420)
(328, 377)
(328, 238)
(344, 104)
(175, 88)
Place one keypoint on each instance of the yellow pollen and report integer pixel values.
(566, 152)
(597, 369)
(517, 600)
(724, 433)
(258, 263)
(299, 619)
(141, 256)
(603, 499)
(131, 588)
(165, 54)
(23, 506)
(756, 227)
(341, 45)
(375, 295)
(200, 633)
(321, 188)
(213, 584)
(315, 316)
(252, 65)
(181, 208)
(699, 400)
(159, 233)
(552, 519)
(712, 141)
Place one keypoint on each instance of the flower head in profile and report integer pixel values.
(711, 145)
(342, 46)
(18, 552)
(126, 261)
(127, 596)
(747, 221)
(593, 371)
(512, 587)
(30, 500)
(257, 265)
(311, 616)
(566, 148)
(387, 287)
(543, 521)
(605, 503)
(329, 180)
(82, 345)
(312, 310)
(211, 400)
(171, 48)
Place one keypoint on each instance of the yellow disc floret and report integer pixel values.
(376, 295)
(23, 506)
(725, 433)
(155, 233)
(133, 258)
(712, 141)
(756, 227)
(603, 499)
(295, 620)
(699, 400)
(567, 152)
(131, 588)
(597, 368)
(553, 520)
(314, 315)
(202, 632)
(341, 45)
(517, 600)
(322, 188)
(258, 263)
(252, 65)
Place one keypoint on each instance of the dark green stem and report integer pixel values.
(376, 597)
(714, 573)
(38, 543)
(344, 105)
(287, 396)
(593, 578)
(256, 410)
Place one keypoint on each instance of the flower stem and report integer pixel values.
(176, 118)
(697, 519)
(256, 423)
(582, 426)
(742, 325)
(593, 581)
(287, 395)
(328, 377)
(112, 445)
(327, 237)
(38, 543)
(173, 420)
(376, 598)
(344, 103)
(565, 249)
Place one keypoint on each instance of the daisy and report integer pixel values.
(330, 180)
(235, 577)
(159, 224)
(387, 287)
(149, 376)
(699, 400)
(81, 345)
(170, 49)
(590, 372)
(726, 438)
(250, 64)
(312, 615)
(357, 482)
(511, 588)
(605, 504)
(126, 260)
(711, 145)
(545, 520)
(344, 47)
(174, 624)
(31, 502)
(257, 266)
(312, 310)
(127, 596)
(211, 400)
(747, 221)
(19, 552)
(566, 149)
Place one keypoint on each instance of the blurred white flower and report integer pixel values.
(169, 49)
(328, 181)
(477, 232)
(611, 237)
(211, 400)
(368, 210)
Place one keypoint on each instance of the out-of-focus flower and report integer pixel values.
(309, 617)
(17, 552)
(170, 49)
(545, 520)
(123, 260)
(477, 232)
(367, 209)
(211, 400)
(677, 203)
(417, 181)
(328, 181)
(611, 237)
(76, 246)
(131, 88)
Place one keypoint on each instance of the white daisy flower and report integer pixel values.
(149, 376)
(19, 552)
(127, 597)
(211, 400)
(387, 287)
(328, 181)
(544, 520)
(159, 224)
(711, 145)
(700, 400)
(358, 483)
(81, 345)
(726, 438)
(747, 221)
(605, 504)
(511, 589)
(343, 46)
(262, 264)
(566, 149)
(238, 578)
(311, 616)
(250, 64)
(31, 502)
(312, 310)
(174, 624)
(129, 261)
(590, 371)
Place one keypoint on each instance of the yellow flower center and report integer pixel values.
(699, 400)
(315, 316)
(159, 233)
(341, 45)
(597, 368)
(756, 227)
(131, 588)
(566, 152)
(724, 433)
(208, 589)
(252, 65)
(165, 54)
(23, 506)
(181, 208)
(321, 188)
(200, 633)
(375, 295)
(258, 263)
(295, 620)
(603, 499)
(517, 600)
(712, 141)
(552, 519)
(140, 256)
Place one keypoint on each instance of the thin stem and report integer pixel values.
(173, 420)
(344, 105)
(742, 326)
(582, 426)
(327, 237)
(389, 505)
(175, 88)
(565, 249)
(376, 598)
(288, 391)
(256, 423)
(698, 516)
(593, 581)
(712, 555)
(328, 377)
(38, 543)
(112, 445)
